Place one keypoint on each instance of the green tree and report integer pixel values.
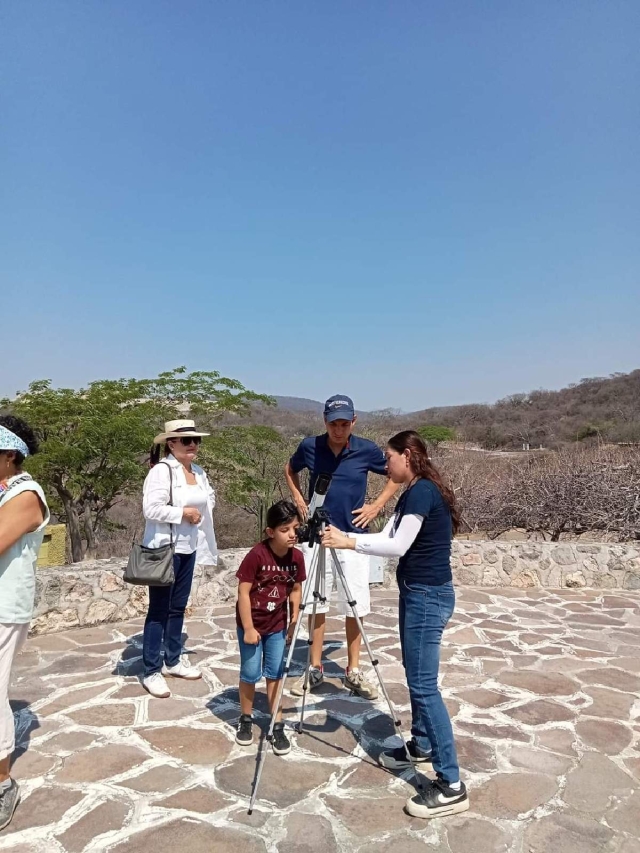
(247, 463)
(434, 435)
(92, 440)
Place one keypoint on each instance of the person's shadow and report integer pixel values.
(320, 737)
(25, 722)
(225, 705)
(130, 661)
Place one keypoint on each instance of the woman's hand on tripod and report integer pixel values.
(251, 637)
(291, 631)
(334, 538)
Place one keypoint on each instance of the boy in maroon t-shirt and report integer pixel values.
(270, 585)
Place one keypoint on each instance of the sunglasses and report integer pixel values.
(189, 440)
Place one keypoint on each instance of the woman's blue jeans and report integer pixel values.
(424, 613)
(165, 617)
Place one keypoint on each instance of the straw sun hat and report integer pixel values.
(179, 429)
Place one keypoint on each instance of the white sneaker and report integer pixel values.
(182, 669)
(156, 685)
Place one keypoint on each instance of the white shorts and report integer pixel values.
(356, 571)
(12, 638)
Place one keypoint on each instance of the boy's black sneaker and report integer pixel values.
(396, 759)
(439, 800)
(244, 732)
(281, 743)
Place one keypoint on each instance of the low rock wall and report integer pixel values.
(553, 565)
(93, 592)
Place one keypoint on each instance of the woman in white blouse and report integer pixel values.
(187, 521)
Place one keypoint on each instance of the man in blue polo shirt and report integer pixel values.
(349, 459)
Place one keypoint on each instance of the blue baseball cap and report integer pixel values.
(339, 408)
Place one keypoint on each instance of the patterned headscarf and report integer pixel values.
(10, 441)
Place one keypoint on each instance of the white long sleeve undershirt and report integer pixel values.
(388, 544)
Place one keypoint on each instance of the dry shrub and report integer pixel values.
(576, 490)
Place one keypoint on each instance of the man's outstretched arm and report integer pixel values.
(365, 514)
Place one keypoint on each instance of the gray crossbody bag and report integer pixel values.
(152, 566)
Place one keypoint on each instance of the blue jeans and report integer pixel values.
(424, 613)
(267, 658)
(165, 617)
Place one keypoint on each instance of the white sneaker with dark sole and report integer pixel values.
(439, 800)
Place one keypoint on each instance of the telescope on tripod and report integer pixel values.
(317, 517)
(311, 532)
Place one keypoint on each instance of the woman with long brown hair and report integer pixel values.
(420, 534)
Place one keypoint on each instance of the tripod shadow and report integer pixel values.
(326, 739)
(340, 736)
(327, 733)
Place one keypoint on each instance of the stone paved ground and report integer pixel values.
(543, 687)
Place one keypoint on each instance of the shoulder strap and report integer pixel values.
(170, 497)
(22, 478)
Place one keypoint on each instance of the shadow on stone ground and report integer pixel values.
(26, 722)
(543, 688)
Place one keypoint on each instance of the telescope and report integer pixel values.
(317, 517)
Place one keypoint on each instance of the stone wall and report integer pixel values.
(553, 565)
(93, 592)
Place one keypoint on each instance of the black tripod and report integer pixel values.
(317, 578)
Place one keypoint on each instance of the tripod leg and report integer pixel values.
(274, 715)
(374, 663)
(318, 597)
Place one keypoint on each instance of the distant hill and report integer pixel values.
(302, 404)
(605, 408)
(596, 408)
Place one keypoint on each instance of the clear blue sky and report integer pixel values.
(416, 203)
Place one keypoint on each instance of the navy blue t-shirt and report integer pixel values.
(428, 560)
(349, 469)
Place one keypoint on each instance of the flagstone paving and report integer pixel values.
(543, 687)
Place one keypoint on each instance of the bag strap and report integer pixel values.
(170, 498)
